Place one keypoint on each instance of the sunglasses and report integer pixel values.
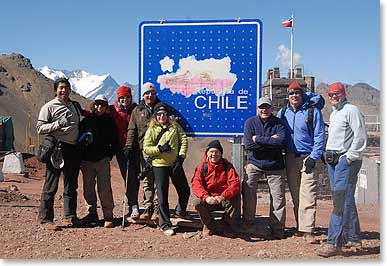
(161, 113)
(331, 94)
(101, 103)
(295, 92)
(124, 97)
(150, 93)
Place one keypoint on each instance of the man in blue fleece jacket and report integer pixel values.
(265, 138)
(305, 146)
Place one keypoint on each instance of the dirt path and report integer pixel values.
(22, 237)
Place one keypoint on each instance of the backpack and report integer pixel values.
(311, 105)
(204, 171)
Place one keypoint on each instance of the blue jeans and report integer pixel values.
(344, 224)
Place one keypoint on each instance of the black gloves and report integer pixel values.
(177, 165)
(180, 159)
(63, 122)
(164, 148)
(309, 165)
(127, 151)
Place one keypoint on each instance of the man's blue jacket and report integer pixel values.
(300, 139)
(266, 152)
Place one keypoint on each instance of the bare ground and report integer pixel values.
(23, 238)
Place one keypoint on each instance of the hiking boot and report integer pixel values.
(278, 234)
(90, 219)
(328, 250)
(169, 231)
(309, 238)
(145, 215)
(50, 226)
(353, 245)
(108, 224)
(135, 215)
(248, 225)
(155, 217)
(298, 234)
(70, 222)
(207, 231)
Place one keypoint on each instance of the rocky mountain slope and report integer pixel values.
(23, 91)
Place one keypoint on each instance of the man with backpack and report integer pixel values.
(265, 138)
(215, 186)
(306, 135)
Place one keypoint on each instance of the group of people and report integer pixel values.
(150, 145)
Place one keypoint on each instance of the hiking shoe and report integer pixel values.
(353, 245)
(278, 234)
(309, 237)
(155, 217)
(247, 225)
(183, 215)
(169, 231)
(90, 219)
(50, 226)
(328, 250)
(145, 215)
(135, 213)
(70, 222)
(108, 224)
(207, 231)
(298, 234)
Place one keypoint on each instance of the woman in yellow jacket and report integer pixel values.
(166, 143)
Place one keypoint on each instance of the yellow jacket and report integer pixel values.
(176, 138)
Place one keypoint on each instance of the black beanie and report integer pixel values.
(159, 107)
(214, 144)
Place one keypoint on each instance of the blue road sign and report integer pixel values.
(209, 71)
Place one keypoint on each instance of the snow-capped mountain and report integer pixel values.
(86, 84)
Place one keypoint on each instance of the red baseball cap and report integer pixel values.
(336, 87)
(294, 86)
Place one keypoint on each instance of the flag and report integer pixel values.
(287, 23)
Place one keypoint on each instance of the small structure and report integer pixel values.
(13, 163)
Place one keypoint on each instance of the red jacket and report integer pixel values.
(122, 118)
(217, 182)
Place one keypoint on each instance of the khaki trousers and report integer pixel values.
(303, 188)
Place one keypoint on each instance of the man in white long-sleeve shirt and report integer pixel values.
(347, 139)
(60, 118)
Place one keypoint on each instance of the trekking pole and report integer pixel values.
(124, 199)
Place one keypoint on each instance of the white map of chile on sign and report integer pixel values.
(194, 75)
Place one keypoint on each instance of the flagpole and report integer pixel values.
(291, 48)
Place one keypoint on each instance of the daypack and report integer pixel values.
(204, 171)
(46, 148)
(311, 105)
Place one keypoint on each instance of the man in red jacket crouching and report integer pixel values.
(215, 186)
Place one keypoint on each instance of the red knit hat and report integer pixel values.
(123, 91)
(336, 87)
(294, 86)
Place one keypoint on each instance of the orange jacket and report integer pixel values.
(217, 182)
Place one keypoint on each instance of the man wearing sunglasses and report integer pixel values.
(265, 138)
(347, 139)
(305, 146)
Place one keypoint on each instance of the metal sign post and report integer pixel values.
(208, 71)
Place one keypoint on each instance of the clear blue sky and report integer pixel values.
(336, 40)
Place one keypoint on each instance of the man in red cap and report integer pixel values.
(121, 112)
(305, 146)
(347, 139)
